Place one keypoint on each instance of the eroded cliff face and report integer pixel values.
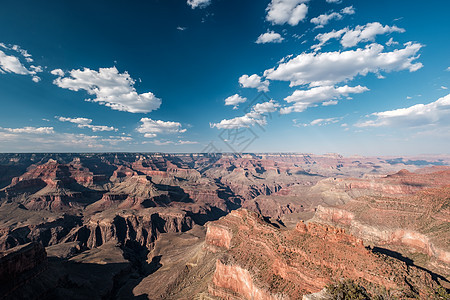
(234, 278)
(19, 265)
(264, 262)
(414, 224)
(129, 227)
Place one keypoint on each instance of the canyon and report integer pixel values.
(222, 226)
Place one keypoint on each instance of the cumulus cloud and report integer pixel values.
(327, 95)
(325, 37)
(361, 33)
(254, 81)
(269, 37)
(57, 72)
(151, 128)
(328, 68)
(29, 129)
(235, 100)
(257, 116)
(367, 33)
(86, 123)
(110, 88)
(434, 113)
(322, 20)
(198, 3)
(286, 11)
(10, 62)
(334, 1)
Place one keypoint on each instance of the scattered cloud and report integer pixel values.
(408, 97)
(257, 116)
(110, 88)
(181, 28)
(151, 128)
(198, 3)
(45, 139)
(269, 37)
(361, 33)
(254, 81)
(29, 129)
(327, 95)
(367, 33)
(86, 123)
(434, 113)
(444, 87)
(334, 1)
(391, 42)
(318, 122)
(322, 20)
(448, 69)
(286, 11)
(325, 37)
(168, 142)
(57, 72)
(328, 68)
(235, 100)
(11, 62)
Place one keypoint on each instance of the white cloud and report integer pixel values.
(12, 64)
(434, 113)
(391, 42)
(57, 72)
(269, 37)
(286, 11)
(325, 37)
(45, 139)
(181, 28)
(151, 128)
(351, 37)
(329, 68)
(29, 129)
(367, 33)
(235, 100)
(448, 69)
(255, 117)
(319, 122)
(444, 87)
(86, 123)
(349, 10)
(198, 3)
(111, 88)
(334, 1)
(330, 102)
(254, 81)
(326, 95)
(322, 20)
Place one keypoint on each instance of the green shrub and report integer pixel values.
(347, 290)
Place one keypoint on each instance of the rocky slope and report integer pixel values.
(404, 212)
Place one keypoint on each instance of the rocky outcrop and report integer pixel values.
(129, 227)
(234, 278)
(263, 262)
(49, 232)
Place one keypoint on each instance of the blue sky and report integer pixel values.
(353, 77)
